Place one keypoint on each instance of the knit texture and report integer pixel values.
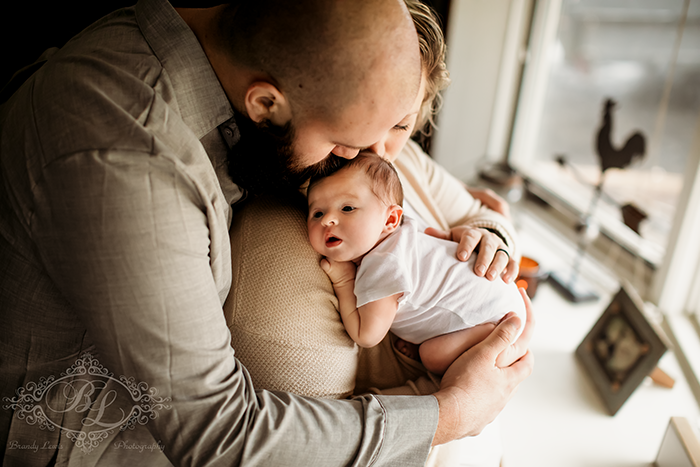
(282, 312)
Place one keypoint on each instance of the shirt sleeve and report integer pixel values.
(126, 237)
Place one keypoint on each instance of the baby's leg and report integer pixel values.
(438, 353)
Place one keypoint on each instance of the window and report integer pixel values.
(645, 56)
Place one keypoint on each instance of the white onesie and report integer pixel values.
(440, 293)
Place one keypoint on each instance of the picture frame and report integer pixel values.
(680, 446)
(621, 349)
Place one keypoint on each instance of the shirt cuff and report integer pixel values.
(411, 422)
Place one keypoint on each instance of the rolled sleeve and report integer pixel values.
(411, 422)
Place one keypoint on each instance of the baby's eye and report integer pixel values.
(348, 208)
(317, 215)
(401, 127)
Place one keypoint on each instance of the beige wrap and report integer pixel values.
(282, 311)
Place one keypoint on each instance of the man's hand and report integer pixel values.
(490, 262)
(517, 349)
(340, 273)
(475, 389)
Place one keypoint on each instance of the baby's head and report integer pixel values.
(353, 207)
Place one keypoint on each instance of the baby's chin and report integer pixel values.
(340, 257)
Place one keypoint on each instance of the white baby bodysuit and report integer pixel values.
(440, 293)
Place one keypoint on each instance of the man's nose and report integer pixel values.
(345, 152)
(379, 148)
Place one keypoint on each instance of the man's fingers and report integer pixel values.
(498, 265)
(433, 232)
(504, 335)
(512, 271)
(519, 347)
(529, 330)
(325, 265)
(467, 242)
(522, 368)
(488, 246)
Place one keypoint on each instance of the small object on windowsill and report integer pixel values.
(680, 446)
(573, 288)
(633, 216)
(622, 348)
(499, 174)
(662, 378)
(530, 276)
(503, 175)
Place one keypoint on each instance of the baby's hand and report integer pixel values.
(340, 273)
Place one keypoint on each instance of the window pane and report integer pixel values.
(626, 51)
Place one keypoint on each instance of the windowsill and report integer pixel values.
(575, 206)
(684, 332)
(557, 417)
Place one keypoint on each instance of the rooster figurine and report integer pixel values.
(611, 157)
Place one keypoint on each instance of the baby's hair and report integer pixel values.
(432, 52)
(385, 182)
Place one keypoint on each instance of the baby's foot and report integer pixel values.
(408, 349)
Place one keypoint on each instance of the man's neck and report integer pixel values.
(204, 23)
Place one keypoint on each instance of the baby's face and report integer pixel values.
(346, 219)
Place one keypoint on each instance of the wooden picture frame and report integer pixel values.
(680, 446)
(621, 349)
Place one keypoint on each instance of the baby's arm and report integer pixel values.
(368, 324)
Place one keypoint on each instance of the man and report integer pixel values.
(115, 203)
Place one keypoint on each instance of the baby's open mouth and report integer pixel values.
(333, 241)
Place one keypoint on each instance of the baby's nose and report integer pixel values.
(329, 219)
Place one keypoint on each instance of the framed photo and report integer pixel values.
(680, 446)
(621, 349)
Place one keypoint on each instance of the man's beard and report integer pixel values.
(263, 159)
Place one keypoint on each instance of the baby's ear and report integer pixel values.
(393, 220)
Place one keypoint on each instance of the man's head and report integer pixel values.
(340, 74)
(354, 207)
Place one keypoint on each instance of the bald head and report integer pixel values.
(325, 55)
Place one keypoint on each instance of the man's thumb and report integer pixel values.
(505, 333)
(325, 265)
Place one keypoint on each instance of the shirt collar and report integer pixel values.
(201, 99)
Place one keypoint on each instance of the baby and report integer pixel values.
(388, 275)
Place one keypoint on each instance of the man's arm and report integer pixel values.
(127, 238)
(475, 389)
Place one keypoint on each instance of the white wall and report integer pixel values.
(484, 51)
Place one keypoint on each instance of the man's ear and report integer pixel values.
(264, 101)
(393, 220)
